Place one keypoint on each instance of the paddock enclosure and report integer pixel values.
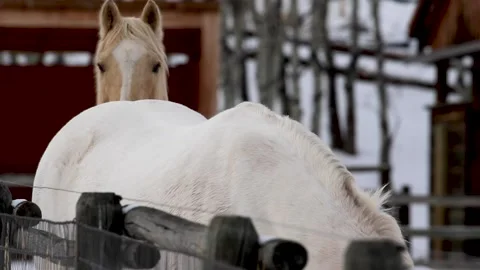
(40, 95)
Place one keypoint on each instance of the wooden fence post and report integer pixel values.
(278, 254)
(404, 213)
(374, 255)
(24, 208)
(233, 240)
(176, 234)
(102, 211)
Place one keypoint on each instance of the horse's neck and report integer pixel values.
(316, 154)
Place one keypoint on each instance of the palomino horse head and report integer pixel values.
(130, 60)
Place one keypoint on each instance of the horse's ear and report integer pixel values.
(109, 17)
(151, 15)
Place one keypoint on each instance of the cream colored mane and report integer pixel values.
(146, 35)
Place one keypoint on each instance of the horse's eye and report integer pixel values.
(101, 67)
(156, 67)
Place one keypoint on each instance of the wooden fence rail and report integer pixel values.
(450, 201)
(403, 200)
(449, 232)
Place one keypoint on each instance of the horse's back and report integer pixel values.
(98, 126)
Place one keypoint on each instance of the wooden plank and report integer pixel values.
(449, 232)
(448, 201)
(173, 233)
(367, 168)
(439, 177)
(184, 6)
(447, 53)
(85, 19)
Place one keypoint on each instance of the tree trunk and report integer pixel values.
(383, 99)
(335, 131)
(225, 71)
(296, 112)
(238, 12)
(284, 99)
(350, 140)
(244, 84)
(270, 60)
(316, 30)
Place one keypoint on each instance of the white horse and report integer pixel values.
(246, 161)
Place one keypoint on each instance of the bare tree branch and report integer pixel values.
(335, 131)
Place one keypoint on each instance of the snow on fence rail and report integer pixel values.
(136, 237)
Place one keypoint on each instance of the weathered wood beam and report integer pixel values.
(336, 46)
(58, 18)
(172, 233)
(368, 168)
(167, 231)
(450, 201)
(447, 232)
(99, 242)
(463, 49)
(42, 5)
(362, 74)
(453, 51)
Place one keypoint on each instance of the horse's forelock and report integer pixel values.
(135, 29)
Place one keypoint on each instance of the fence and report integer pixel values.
(107, 235)
(402, 202)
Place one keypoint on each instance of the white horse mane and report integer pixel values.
(315, 152)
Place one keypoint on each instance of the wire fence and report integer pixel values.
(55, 245)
